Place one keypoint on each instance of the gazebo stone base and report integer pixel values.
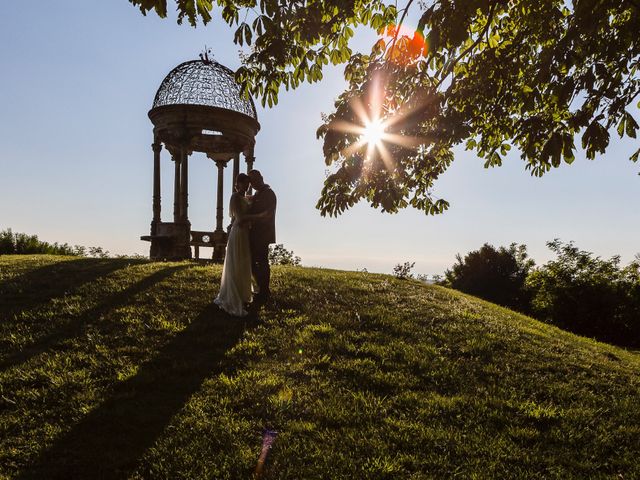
(170, 242)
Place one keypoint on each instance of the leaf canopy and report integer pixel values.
(489, 74)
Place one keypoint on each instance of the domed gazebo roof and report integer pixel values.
(203, 82)
(199, 105)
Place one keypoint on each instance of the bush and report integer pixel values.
(588, 295)
(496, 275)
(403, 270)
(278, 255)
(21, 243)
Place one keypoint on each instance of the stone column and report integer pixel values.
(184, 185)
(236, 169)
(179, 233)
(176, 187)
(157, 148)
(220, 235)
(219, 207)
(249, 159)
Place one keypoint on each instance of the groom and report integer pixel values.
(262, 214)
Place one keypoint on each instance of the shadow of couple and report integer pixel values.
(111, 439)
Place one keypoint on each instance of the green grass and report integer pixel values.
(116, 368)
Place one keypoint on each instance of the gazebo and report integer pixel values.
(199, 107)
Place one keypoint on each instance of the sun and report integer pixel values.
(373, 133)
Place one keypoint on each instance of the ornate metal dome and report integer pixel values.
(201, 82)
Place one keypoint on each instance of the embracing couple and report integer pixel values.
(253, 228)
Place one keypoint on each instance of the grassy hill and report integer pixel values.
(116, 368)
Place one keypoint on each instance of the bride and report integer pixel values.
(235, 286)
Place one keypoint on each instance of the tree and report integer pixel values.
(402, 271)
(23, 244)
(279, 255)
(497, 275)
(488, 74)
(588, 295)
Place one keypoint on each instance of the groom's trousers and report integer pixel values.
(260, 265)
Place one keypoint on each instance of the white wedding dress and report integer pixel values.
(235, 286)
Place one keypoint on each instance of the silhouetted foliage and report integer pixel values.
(587, 295)
(578, 291)
(403, 270)
(543, 78)
(423, 277)
(497, 275)
(21, 243)
(278, 255)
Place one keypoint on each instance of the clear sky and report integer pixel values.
(77, 78)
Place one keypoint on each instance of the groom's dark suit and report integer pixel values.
(262, 233)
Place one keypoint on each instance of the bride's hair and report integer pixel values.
(242, 178)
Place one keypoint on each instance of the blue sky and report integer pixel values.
(79, 76)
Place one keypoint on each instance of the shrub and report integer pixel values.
(403, 270)
(496, 275)
(278, 255)
(588, 295)
(423, 277)
(21, 243)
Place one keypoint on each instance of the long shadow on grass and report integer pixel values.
(74, 327)
(110, 440)
(40, 285)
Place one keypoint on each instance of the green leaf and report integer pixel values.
(247, 34)
(621, 126)
(204, 9)
(237, 36)
(494, 160)
(567, 148)
(377, 21)
(556, 149)
(258, 25)
(631, 125)
(595, 139)
(494, 40)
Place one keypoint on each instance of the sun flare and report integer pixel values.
(373, 133)
(376, 133)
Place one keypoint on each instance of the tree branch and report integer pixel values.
(395, 37)
(471, 47)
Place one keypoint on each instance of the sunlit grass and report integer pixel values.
(123, 369)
